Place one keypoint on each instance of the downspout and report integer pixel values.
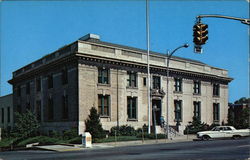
(117, 97)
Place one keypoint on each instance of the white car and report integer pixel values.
(223, 132)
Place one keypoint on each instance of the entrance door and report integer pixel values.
(157, 111)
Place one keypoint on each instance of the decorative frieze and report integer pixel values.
(103, 49)
(131, 54)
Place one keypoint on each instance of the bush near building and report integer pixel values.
(196, 126)
(26, 125)
(123, 130)
(94, 126)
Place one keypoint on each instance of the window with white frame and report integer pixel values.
(197, 110)
(178, 110)
(216, 112)
(132, 79)
(178, 84)
(103, 75)
(103, 105)
(197, 87)
(156, 82)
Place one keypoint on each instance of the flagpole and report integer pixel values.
(149, 82)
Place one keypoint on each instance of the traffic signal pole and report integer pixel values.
(200, 32)
(242, 20)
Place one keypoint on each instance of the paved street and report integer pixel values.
(202, 150)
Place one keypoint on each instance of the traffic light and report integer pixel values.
(200, 33)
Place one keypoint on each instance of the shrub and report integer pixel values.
(212, 126)
(151, 136)
(54, 134)
(196, 126)
(69, 134)
(123, 130)
(76, 140)
(26, 125)
(144, 129)
(5, 133)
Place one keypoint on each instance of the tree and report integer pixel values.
(230, 117)
(26, 124)
(93, 125)
(196, 126)
(238, 115)
(242, 100)
(244, 118)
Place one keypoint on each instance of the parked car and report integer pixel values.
(223, 132)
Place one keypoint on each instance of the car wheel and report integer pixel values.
(236, 136)
(205, 138)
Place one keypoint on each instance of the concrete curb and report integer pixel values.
(95, 146)
(145, 142)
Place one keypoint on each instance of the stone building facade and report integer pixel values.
(6, 112)
(61, 87)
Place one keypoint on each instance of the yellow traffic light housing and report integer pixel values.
(200, 33)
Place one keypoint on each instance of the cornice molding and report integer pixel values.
(140, 67)
(99, 61)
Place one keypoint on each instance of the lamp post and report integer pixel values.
(168, 58)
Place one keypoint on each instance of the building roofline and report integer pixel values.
(93, 40)
(152, 53)
(7, 95)
(119, 46)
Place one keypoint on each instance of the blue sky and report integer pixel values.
(32, 29)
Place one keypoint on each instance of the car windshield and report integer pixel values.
(215, 129)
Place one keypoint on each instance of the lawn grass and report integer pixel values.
(45, 140)
(118, 138)
(42, 140)
(6, 142)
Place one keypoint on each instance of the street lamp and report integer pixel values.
(168, 58)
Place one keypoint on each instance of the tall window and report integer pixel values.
(178, 84)
(38, 84)
(178, 110)
(132, 79)
(65, 108)
(50, 109)
(103, 105)
(50, 81)
(8, 118)
(2, 115)
(156, 82)
(28, 106)
(216, 89)
(144, 81)
(18, 90)
(132, 107)
(38, 110)
(103, 76)
(197, 87)
(216, 111)
(64, 76)
(197, 110)
(28, 88)
(19, 108)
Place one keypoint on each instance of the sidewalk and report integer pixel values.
(65, 148)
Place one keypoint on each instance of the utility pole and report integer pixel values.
(148, 67)
(169, 55)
